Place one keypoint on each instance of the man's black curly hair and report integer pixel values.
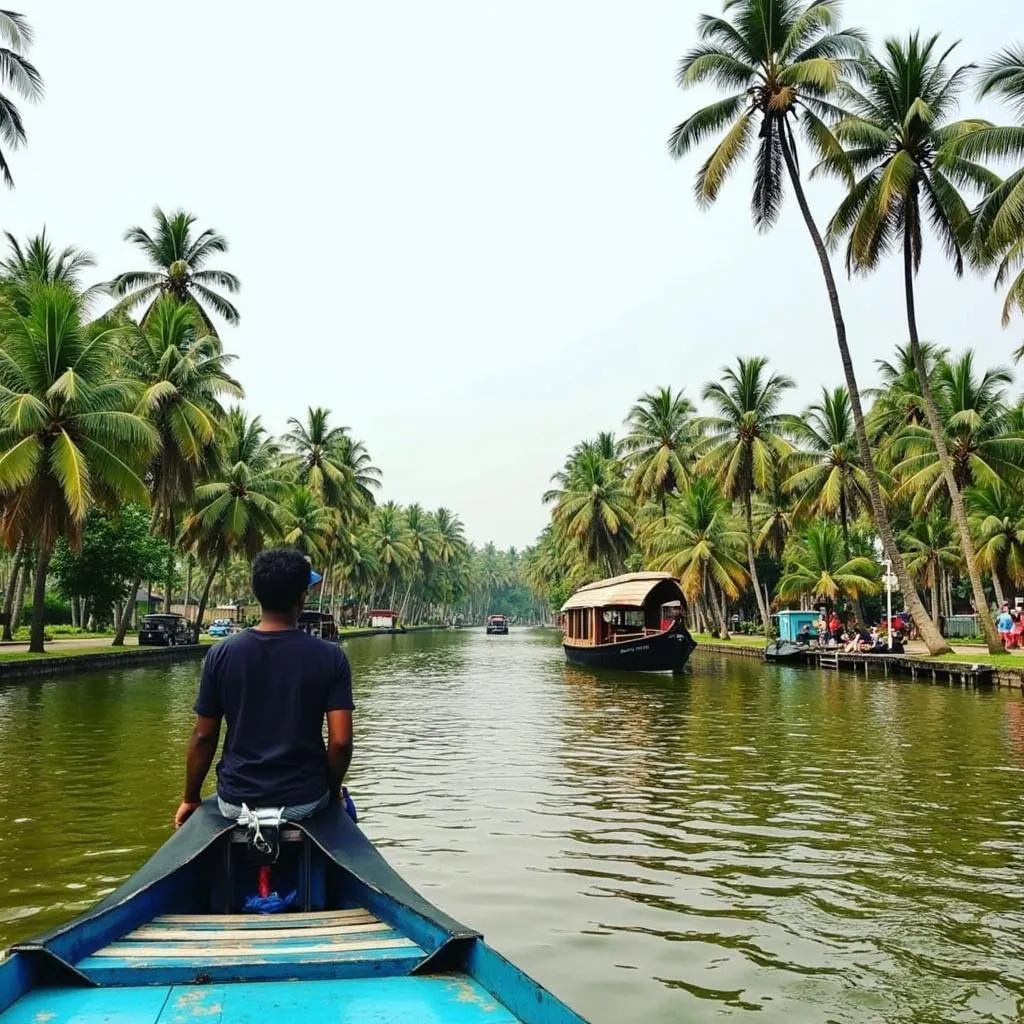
(280, 576)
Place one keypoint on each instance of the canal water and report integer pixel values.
(746, 841)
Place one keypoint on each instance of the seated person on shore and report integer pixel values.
(274, 684)
(804, 636)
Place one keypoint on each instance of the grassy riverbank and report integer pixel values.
(736, 640)
(85, 650)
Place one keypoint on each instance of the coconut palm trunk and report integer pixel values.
(12, 586)
(205, 596)
(932, 638)
(35, 642)
(126, 613)
(956, 498)
(752, 562)
(844, 522)
(997, 586)
(19, 593)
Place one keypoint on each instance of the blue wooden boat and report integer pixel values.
(172, 946)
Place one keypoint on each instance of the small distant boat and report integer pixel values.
(497, 625)
(631, 623)
(359, 944)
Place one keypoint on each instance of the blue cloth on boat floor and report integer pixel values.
(350, 805)
(272, 904)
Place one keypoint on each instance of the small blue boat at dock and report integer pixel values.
(172, 944)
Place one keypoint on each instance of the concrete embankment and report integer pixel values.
(81, 662)
(95, 661)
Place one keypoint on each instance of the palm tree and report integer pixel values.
(698, 543)
(424, 540)
(318, 460)
(593, 514)
(36, 261)
(897, 399)
(365, 476)
(930, 548)
(20, 75)
(982, 433)
(782, 61)
(659, 446)
(816, 564)
(451, 537)
(999, 220)
(744, 441)
(825, 473)
(997, 515)
(69, 437)
(183, 374)
(391, 546)
(236, 512)
(899, 139)
(178, 260)
(774, 518)
(307, 524)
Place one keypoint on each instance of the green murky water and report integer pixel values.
(748, 841)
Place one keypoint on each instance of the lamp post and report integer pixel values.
(888, 598)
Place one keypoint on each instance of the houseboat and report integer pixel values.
(631, 623)
(497, 625)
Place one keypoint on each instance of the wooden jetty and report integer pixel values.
(949, 673)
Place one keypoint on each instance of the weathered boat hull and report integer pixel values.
(663, 652)
(172, 945)
(784, 650)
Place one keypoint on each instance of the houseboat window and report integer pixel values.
(586, 625)
(625, 618)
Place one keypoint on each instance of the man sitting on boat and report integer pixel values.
(273, 683)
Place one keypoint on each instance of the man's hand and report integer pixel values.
(185, 811)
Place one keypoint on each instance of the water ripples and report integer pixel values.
(746, 840)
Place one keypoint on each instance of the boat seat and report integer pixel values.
(182, 948)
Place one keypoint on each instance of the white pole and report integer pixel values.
(888, 599)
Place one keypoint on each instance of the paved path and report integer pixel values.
(56, 646)
(917, 647)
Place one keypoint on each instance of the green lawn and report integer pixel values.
(982, 658)
(79, 652)
(737, 640)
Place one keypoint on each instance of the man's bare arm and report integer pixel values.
(202, 746)
(339, 748)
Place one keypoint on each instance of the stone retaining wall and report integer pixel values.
(113, 657)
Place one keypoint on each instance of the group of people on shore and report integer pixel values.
(833, 633)
(1010, 626)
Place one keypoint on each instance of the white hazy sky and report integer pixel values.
(455, 222)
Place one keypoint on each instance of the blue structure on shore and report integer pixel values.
(790, 623)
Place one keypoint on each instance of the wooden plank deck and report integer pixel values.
(950, 673)
(178, 948)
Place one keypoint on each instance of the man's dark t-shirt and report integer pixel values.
(274, 689)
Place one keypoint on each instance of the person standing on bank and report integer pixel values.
(274, 684)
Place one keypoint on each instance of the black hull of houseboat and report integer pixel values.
(663, 652)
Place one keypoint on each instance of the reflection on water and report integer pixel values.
(743, 839)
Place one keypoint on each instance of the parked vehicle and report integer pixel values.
(221, 627)
(165, 630)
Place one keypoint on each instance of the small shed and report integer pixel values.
(383, 618)
(790, 623)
